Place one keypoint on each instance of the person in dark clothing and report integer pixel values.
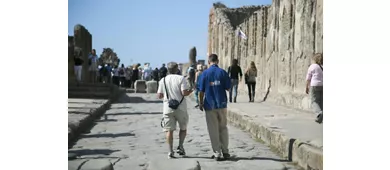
(163, 71)
(235, 75)
(134, 75)
(109, 73)
(102, 73)
(115, 78)
(155, 75)
(122, 75)
(78, 66)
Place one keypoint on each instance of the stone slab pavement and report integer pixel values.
(129, 136)
(293, 133)
(81, 112)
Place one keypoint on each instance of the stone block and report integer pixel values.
(151, 86)
(97, 164)
(140, 86)
(174, 164)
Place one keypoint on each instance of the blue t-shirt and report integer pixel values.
(214, 82)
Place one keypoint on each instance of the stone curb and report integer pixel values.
(306, 156)
(74, 130)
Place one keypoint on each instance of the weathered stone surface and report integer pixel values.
(151, 86)
(97, 164)
(132, 138)
(140, 86)
(282, 37)
(83, 40)
(192, 56)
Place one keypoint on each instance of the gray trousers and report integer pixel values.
(217, 126)
(316, 95)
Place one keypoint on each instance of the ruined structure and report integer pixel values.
(281, 38)
(192, 56)
(82, 40)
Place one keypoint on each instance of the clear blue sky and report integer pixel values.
(155, 31)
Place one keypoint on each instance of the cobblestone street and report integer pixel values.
(129, 135)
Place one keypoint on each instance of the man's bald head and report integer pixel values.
(173, 68)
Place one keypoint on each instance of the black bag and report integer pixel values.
(246, 77)
(172, 103)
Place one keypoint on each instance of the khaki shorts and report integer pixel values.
(169, 120)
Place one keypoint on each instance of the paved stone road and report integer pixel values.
(130, 137)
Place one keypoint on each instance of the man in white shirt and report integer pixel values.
(174, 87)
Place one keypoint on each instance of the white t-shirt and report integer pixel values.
(175, 85)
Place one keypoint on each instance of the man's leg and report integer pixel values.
(316, 102)
(235, 86)
(182, 119)
(169, 126)
(213, 128)
(223, 132)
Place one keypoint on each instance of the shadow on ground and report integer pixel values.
(237, 158)
(82, 152)
(133, 113)
(134, 99)
(106, 135)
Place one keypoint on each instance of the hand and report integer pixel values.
(201, 107)
(307, 90)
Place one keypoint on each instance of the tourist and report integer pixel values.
(93, 66)
(109, 73)
(191, 76)
(129, 71)
(134, 75)
(78, 66)
(163, 71)
(147, 72)
(314, 84)
(213, 84)
(155, 74)
(199, 71)
(122, 75)
(102, 73)
(235, 75)
(251, 74)
(115, 78)
(172, 89)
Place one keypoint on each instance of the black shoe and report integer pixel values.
(197, 106)
(319, 118)
(217, 157)
(226, 156)
(235, 100)
(181, 151)
(171, 155)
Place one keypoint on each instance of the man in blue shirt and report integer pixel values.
(213, 84)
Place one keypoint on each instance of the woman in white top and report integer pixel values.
(314, 84)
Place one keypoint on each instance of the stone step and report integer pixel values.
(90, 85)
(89, 94)
(83, 88)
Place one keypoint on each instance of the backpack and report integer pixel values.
(121, 72)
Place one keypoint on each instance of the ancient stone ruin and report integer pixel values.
(281, 39)
(81, 40)
(192, 56)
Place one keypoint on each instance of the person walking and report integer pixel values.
(93, 66)
(199, 71)
(235, 75)
(251, 74)
(163, 71)
(109, 73)
(314, 85)
(115, 78)
(134, 75)
(122, 75)
(213, 84)
(172, 89)
(78, 66)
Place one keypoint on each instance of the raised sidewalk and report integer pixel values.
(291, 132)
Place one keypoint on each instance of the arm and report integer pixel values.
(228, 82)
(202, 87)
(229, 70)
(184, 87)
(308, 79)
(239, 71)
(196, 77)
(160, 92)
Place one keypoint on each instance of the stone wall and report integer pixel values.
(282, 37)
(82, 39)
(71, 76)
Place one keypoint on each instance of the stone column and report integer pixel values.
(83, 40)
(71, 76)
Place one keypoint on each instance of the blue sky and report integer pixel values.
(155, 31)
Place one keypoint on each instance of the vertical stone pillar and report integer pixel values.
(71, 76)
(83, 40)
